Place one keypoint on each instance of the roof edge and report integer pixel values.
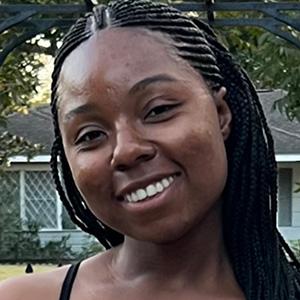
(287, 157)
(35, 159)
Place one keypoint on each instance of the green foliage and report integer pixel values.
(19, 80)
(19, 74)
(296, 248)
(20, 245)
(11, 145)
(92, 247)
(271, 62)
(20, 241)
(58, 250)
(25, 246)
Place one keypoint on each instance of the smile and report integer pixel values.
(150, 190)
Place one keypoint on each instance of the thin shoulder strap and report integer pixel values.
(68, 282)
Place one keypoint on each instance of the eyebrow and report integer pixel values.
(87, 108)
(139, 86)
(82, 109)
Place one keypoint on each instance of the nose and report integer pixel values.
(131, 148)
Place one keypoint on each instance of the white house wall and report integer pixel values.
(77, 238)
(293, 232)
(29, 167)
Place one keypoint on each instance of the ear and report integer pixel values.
(224, 112)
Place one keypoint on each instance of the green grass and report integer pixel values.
(8, 271)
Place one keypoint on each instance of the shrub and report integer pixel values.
(91, 248)
(296, 248)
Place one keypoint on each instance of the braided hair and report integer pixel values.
(264, 265)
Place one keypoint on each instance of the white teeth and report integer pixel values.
(150, 190)
(171, 179)
(165, 182)
(134, 197)
(159, 187)
(141, 194)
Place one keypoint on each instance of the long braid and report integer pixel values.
(255, 247)
(252, 210)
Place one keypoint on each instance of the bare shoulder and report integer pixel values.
(44, 286)
(48, 285)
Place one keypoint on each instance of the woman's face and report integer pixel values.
(142, 134)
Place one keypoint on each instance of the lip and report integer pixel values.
(142, 183)
(154, 202)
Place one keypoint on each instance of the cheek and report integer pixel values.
(204, 159)
(92, 177)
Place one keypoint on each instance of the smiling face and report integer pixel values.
(143, 135)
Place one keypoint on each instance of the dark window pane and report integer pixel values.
(285, 197)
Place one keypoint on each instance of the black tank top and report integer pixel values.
(68, 282)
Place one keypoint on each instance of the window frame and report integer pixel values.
(21, 168)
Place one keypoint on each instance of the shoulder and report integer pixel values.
(46, 286)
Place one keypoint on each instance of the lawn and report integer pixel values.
(7, 271)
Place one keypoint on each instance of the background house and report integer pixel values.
(33, 189)
(30, 183)
(286, 136)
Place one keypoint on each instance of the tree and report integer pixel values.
(19, 80)
(270, 61)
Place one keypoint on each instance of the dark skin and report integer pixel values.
(144, 115)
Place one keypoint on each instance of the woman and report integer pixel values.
(167, 159)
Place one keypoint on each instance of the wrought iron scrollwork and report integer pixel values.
(35, 19)
(273, 19)
(30, 20)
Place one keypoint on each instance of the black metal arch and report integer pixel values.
(37, 19)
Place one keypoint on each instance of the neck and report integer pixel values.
(198, 255)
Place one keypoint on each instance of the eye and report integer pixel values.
(160, 111)
(90, 137)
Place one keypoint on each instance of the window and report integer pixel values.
(31, 196)
(40, 199)
(285, 176)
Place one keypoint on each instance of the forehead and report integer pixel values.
(118, 55)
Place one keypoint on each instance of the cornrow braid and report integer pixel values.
(256, 249)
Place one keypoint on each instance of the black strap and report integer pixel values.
(68, 282)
